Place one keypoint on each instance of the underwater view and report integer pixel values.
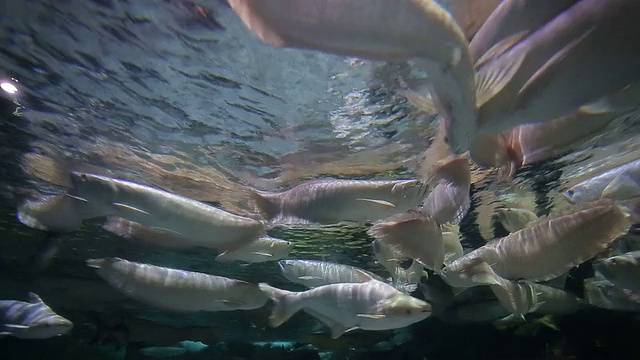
(319, 179)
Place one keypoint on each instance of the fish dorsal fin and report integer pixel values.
(494, 76)
(34, 298)
(500, 48)
(541, 76)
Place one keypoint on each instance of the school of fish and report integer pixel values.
(514, 82)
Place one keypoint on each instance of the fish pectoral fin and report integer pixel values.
(261, 253)
(231, 302)
(371, 316)
(351, 329)
(621, 187)
(165, 230)
(379, 202)
(309, 277)
(493, 77)
(127, 208)
(16, 326)
(485, 279)
(500, 48)
(76, 197)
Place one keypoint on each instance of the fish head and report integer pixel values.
(615, 266)
(403, 309)
(580, 193)
(47, 328)
(92, 188)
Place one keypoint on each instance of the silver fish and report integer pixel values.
(371, 305)
(334, 201)
(622, 270)
(512, 17)
(619, 183)
(178, 290)
(314, 273)
(265, 248)
(31, 320)
(547, 248)
(387, 30)
(550, 82)
(202, 224)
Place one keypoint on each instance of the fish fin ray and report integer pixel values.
(379, 202)
(500, 48)
(493, 77)
(128, 208)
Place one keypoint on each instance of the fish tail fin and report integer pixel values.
(267, 204)
(283, 305)
(438, 150)
(24, 198)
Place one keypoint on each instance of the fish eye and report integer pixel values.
(571, 192)
(614, 261)
(83, 177)
(408, 311)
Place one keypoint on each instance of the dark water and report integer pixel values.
(177, 94)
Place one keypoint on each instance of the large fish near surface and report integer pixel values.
(449, 201)
(314, 273)
(31, 320)
(371, 305)
(388, 30)
(512, 17)
(619, 183)
(334, 201)
(178, 290)
(622, 270)
(551, 80)
(549, 247)
(202, 224)
(413, 235)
